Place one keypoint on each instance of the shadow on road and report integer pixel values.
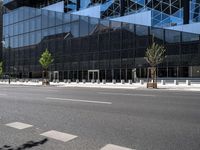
(26, 145)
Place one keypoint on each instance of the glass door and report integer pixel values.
(93, 75)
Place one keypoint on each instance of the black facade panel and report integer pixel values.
(122, 7)
(78, 4)
(186, 13)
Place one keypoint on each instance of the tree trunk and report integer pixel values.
(153, 83)
(45, 77)
(153, 74)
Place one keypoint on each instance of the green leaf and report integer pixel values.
(155, 54)
(46, 59)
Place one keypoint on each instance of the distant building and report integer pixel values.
(101, 39)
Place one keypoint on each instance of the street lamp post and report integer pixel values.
(4, 43)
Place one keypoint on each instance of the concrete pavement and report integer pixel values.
(195, 86)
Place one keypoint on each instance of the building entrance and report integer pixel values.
(93, 75)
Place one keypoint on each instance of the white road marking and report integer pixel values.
(3, 94)
(19, 125)
(126, 94)
(60, 136)
(115, 147)
(78, 100)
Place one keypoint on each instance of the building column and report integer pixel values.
(186, 11)
(122, 7)
(78, 4)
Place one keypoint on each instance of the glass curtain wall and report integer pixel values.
(86, 48)
(194, 11)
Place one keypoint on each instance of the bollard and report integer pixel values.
(84, 81)
(92, 81)
(98, 81)
(77, 80)
(130, 81)
(141, 82)
(69, 81)
(122, 81)
(104, 81)
(188, 82)
(163, 82)
(114, 81)
(175, 82)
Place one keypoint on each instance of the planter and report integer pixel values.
(152, 85)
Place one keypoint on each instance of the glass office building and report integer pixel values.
(89, 48)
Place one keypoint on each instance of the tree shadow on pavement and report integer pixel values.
(26, 145)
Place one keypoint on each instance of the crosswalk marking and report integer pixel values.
(19, 125)
(115, 147)
(60, 136)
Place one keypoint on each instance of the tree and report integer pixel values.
(155, 55)
(1, 69)
(46, 60)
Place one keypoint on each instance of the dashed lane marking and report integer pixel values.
(60, 136)
(19, 125)
(115, 147)
(126, 94)
(78, 100)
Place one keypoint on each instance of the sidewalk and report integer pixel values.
(168, 86)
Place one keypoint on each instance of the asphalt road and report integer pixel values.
(137, 119)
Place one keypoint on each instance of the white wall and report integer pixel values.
(142, 18)
(191, 28)
(59, 7)
(90, 12)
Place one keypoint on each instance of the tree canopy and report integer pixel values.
(46, 59)
(155, 54)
